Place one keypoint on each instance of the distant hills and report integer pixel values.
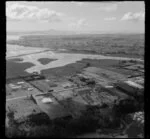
(44, 32)
(59, 32)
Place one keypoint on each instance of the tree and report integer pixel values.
(88, 65)
(10, 115)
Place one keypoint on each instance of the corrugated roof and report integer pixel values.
(46, 100)
(133, 84)
(15, 87)
(126, 88)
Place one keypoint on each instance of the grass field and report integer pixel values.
(109, 64)
(78, 67)
(22, 107)
(67, 70)
(14, 69)
(45, 61)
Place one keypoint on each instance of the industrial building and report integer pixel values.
(133, 84)
(50, 106)
(33, 77)
(126, 87)
(66, 84)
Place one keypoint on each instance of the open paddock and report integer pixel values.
(14, 69)
(22, 107)
(45, 61)
(22, 90)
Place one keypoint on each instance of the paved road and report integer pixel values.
(16, 98)
(42, 93)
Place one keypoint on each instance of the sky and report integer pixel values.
(125, 16)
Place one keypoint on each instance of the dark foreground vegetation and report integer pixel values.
(107, 119)
(131, 45)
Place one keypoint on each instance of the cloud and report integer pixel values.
(78, 3)
(133, 16)
(78, 24)
(16, 11)
(108, 7)
(110, 18)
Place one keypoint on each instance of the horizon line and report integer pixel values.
(86, 32)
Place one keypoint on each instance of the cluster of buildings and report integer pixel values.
(72, 96)
(20, 85)
(73, 101)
